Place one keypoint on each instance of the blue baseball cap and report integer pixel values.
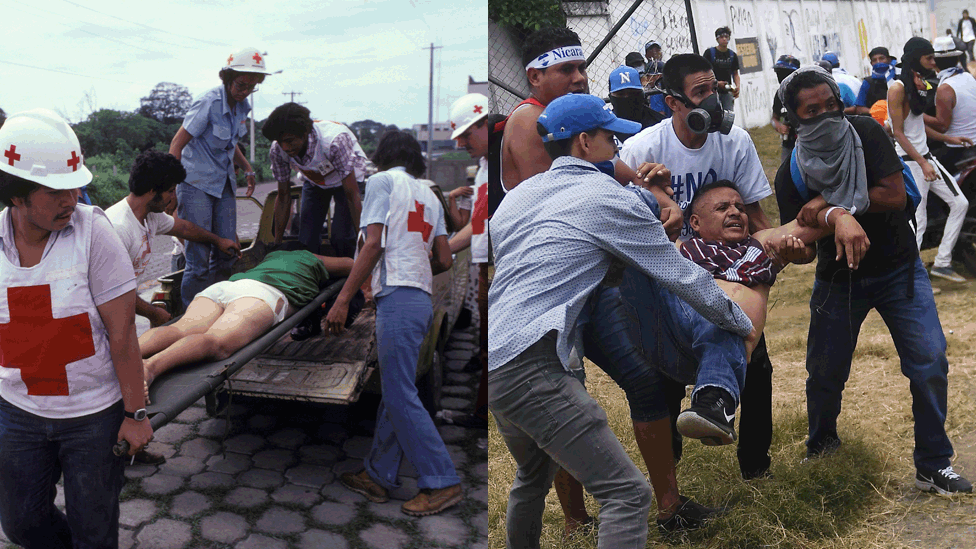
(625, 78)
(831, 58)
(576, 113)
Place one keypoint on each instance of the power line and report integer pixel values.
(66, 72)
(293, 94)
(147, 26)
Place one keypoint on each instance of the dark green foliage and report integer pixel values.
(525, 16)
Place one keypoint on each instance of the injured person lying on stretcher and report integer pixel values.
(228, 315)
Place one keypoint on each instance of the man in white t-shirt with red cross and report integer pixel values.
(70, 371)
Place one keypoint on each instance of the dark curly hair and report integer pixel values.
(288, 118)
(12, 186)
(399, 148)
(155, 171)
(227, 76)
(679, 67)
(547, 39)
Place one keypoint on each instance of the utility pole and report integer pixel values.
(253, 106)
(292, 94)
(430, 109)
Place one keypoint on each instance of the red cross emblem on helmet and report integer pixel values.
(478, 109)
(229, 59)
(257, 57)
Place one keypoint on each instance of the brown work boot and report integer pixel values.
(361, 483)
(429, 502)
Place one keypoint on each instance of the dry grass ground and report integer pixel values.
(861, 497)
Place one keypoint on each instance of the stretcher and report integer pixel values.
(176, 390)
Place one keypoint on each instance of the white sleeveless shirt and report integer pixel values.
(54, 350)
(914, 131)
(964, 113)
(479, 222)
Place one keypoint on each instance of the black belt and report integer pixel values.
(948, 180)
(906, 158)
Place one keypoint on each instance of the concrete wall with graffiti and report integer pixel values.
(762, 30)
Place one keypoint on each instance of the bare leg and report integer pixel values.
(570, 493)
(654, 442)
(239, 324)
(201, 313)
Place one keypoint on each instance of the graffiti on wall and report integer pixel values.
(755, 96)
(791, 30)
(742, 20)
(667, 27)
(771, 40)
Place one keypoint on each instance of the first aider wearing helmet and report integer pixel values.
(206, 144)
(70, 370)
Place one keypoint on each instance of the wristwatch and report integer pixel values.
(139, 414)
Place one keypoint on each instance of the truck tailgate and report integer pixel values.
(324, 369)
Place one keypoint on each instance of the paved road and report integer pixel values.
(273, 481)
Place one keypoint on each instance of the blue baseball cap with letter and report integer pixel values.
(624, 78)
(576, 113)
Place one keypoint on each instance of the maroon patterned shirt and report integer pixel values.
(744, 262)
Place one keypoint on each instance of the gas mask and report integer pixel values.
(707, 116)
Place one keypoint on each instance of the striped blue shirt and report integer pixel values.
(554, 237)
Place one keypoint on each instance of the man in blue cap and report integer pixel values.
(849, 85)
(554, 237)
(627, 98)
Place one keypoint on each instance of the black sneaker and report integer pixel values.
(828, 447)
(711, 417)
(310, 327)
(689, 516)
(944, 481)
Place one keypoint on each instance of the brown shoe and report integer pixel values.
(429, 502)
(361, 483)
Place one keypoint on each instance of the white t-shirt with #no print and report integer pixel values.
(137, 237)
(731, 157)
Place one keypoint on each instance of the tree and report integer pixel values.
(167, 103)
(102, 131)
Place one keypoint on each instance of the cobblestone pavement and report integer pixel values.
(273, 482)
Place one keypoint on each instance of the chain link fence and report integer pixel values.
(608, 30)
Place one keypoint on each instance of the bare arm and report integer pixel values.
(897, 112)
(337, 266)
(523, 147)
(461, 239)
(282, 210)
(945, 101)
(369, 255)
(458, 216)
(241, 161)
(889, 195)
(735, 78)
(351, 189)
(442, 259)
(757, 217)
(156, 315)
(179, 142)
(118, 316)
(195, 233)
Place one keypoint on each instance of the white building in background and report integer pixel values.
(762, 30)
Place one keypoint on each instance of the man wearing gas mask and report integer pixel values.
(701, 145)
(627, 98)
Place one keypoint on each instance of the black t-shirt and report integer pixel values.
(723, 63)
(779, 111)
(892, 238)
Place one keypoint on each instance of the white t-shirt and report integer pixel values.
(731, 157)
(968, 33)
(137, 237)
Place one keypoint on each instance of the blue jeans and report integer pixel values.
(678, 341)
(315, 206)
(904, 300)
(549, 421)
(403, 426)
(34, 453)
(205, 263)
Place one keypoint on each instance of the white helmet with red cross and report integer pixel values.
(40, 146)
(466, 111)
(246, 60)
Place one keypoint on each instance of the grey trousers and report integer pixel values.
(549, 421)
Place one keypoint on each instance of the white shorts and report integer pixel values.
(224, 293)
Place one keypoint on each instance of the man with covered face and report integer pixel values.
(834, 151)
(700, 146)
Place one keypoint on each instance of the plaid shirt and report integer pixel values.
(340, 155)
(745, 262)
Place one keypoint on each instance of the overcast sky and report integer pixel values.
(350, 59)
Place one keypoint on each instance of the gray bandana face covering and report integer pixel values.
(829, 153)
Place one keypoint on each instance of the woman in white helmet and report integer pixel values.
(206, 143)
(70, 370)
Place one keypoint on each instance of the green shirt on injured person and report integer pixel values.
(297, 274)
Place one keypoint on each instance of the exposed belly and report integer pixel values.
(753, 303)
